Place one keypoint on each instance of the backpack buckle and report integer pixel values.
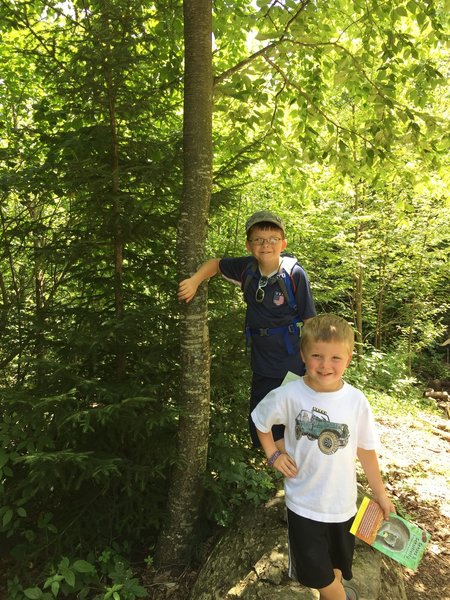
(263, 332)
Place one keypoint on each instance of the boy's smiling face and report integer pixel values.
(325, 364)
(266, 245)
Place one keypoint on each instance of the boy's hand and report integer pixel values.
(286, 465)
(187, 289)
(386, 505)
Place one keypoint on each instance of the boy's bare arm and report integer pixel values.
(188, 287)
(283, 463)
(369, 462)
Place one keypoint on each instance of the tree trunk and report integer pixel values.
(185, 491)
(120, 366)
(378, 343)
(117, 210)
(39, 283)
(359, 270)
(416, 295)
(358, 280)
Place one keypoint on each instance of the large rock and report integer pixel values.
(250, 563)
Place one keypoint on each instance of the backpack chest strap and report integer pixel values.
(286, 330)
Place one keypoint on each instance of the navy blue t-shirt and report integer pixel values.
(269, 354)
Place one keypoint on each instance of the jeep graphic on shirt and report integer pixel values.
(316, 425)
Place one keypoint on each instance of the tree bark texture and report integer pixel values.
(358, 281)
(185, 486)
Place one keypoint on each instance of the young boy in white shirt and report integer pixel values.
(328, 424)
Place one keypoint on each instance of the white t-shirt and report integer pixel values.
(323, 433)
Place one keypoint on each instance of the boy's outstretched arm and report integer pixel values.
(283, 463)
(369, 462)
(188, 287)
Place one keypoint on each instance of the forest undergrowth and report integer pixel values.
(415, 463)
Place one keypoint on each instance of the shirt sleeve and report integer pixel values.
(368, 438)
(232, 269)
(271, 410)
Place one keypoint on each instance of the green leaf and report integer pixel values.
(69, 576)
(264, 36)
(370, 156)
(139, 591)
(7, 517)
(82, 566)
(63, 563)
(421, 18)
(400, 11)
(3, 458)
(33, 593)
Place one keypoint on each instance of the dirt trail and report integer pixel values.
(416, 457)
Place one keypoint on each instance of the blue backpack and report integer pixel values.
(288, 288)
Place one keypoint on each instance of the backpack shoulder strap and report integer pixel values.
(248, 274)
(286, 281)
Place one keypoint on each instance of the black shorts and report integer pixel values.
(316, 548)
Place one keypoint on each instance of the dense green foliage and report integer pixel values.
(333, 114)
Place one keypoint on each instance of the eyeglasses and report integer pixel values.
(259, 295)
(261, 241)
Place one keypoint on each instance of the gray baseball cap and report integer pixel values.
(264, 216)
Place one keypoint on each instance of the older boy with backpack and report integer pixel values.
(278, 298)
